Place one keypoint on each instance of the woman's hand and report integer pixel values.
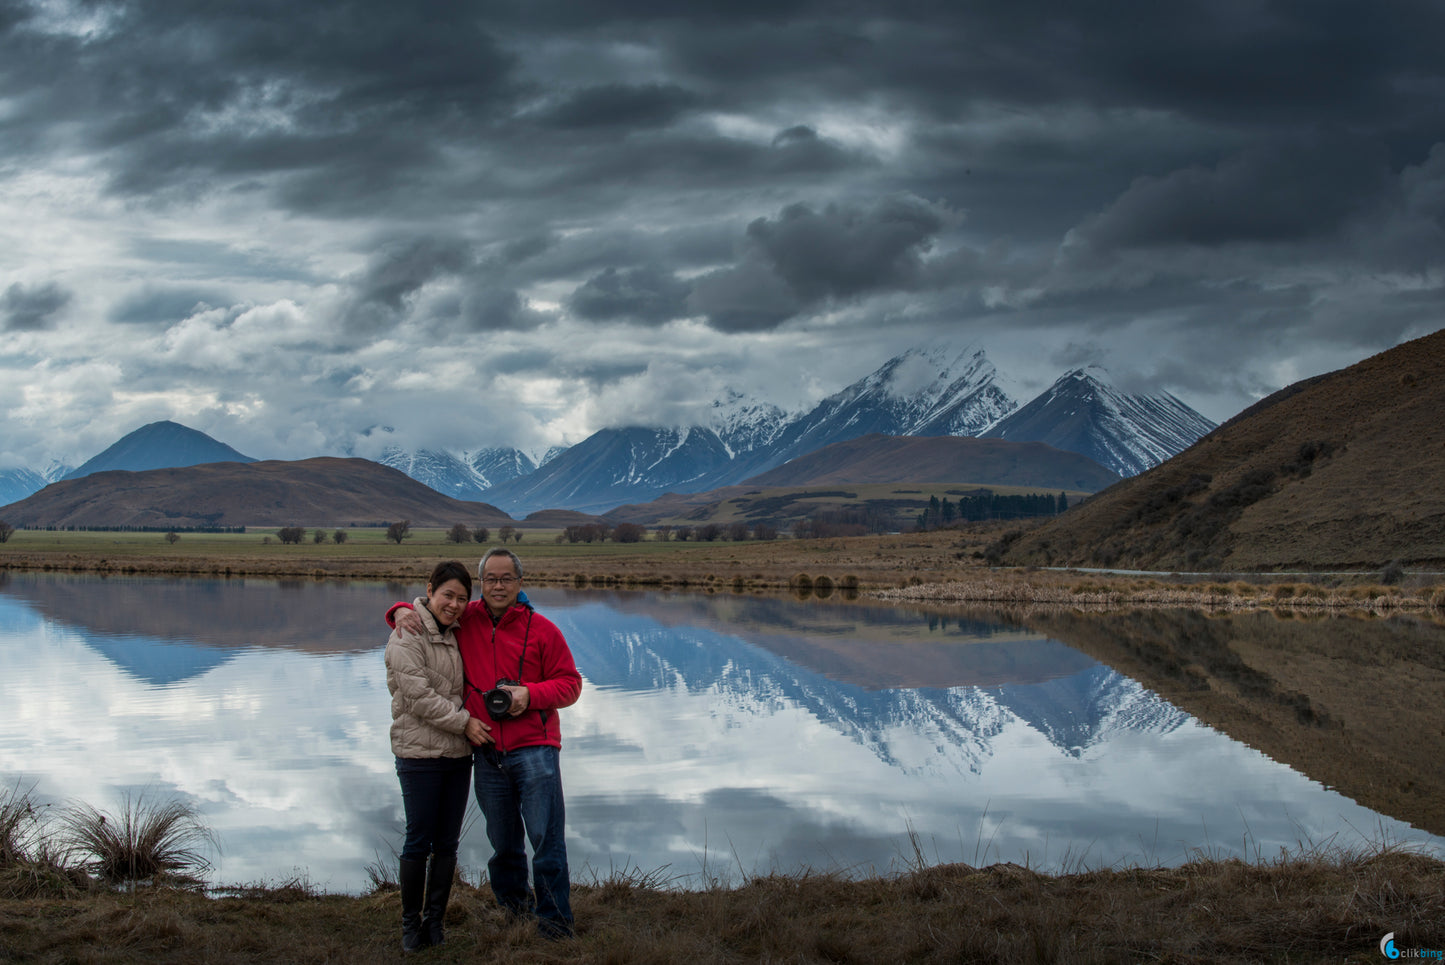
(478, 732)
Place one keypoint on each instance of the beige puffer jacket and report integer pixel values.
(424, 675)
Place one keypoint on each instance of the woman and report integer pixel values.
(432, 738)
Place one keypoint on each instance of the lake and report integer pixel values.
(718, 736)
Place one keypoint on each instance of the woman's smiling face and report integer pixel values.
(447, 601)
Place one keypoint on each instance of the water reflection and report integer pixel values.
(717, 736)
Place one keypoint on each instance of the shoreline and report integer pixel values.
(947, 586)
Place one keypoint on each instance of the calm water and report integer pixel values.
(716, 737)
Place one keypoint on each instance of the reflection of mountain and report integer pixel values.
(936, 727)
(230, 613)
(156, 661)
(167, 630)
(1352, 703)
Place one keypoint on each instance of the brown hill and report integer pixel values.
(878, 458)
(1339, 471)
(311, 492)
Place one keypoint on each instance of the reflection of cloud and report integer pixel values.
(286, 754)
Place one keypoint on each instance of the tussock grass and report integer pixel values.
(144, 840)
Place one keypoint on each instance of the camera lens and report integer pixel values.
(498, 703)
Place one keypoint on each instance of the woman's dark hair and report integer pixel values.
(451, 570)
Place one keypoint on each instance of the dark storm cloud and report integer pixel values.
(621, 105)
(647, 295)
(806, 256)
(1270, 173)
(1289, 192)
(28, 308)
(177, 93)
(379, 294)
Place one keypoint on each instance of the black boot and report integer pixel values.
(413, 886)
(438, 891)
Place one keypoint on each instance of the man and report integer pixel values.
(507, 646)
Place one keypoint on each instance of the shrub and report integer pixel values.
(801, 581)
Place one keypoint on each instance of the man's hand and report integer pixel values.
(478, 732)
(407, 621)
(521, 699)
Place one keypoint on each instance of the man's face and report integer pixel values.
(500, 584)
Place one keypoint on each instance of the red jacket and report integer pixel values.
(491, 652)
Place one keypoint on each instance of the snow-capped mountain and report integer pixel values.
(16, 484)
(926, 391)
(744, 424)
(616, 466)
(919, 393)
(498, 464)
(464, 475)
(1084, 412)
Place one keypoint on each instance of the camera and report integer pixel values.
(497, 701)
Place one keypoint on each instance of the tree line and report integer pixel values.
(987, 504)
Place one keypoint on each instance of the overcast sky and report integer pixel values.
(291, 224)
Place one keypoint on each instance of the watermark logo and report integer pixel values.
(1388, 949)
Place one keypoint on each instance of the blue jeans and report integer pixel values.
(434, 794)
(521, 792)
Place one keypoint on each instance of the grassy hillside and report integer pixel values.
(323, 492)
(781, 506)
(1340, 471)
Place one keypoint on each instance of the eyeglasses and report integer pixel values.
(499, 580)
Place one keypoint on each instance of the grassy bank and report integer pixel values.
(944, 566)
(1302, 909)
(70, 897)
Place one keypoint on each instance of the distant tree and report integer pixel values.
(662, 533)
(481, 534)
(319, 536)
(290, 534)
(397, 532)
(737, 532)
(683, 533)
(517, 536)
(265, 541)
(1062, 503)
(629, 533)
(709, 532)
(459, 534)
(339, 536)
(173, 537)
(6, 530)
(765, 531)
(506, 533)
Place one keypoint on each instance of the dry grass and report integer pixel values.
(145, 840)
(1027, 591)
(1296, 908)
(1312, 904)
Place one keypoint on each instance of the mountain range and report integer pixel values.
(925, 392)
(1337, 471)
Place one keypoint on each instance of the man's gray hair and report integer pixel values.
(498, 551)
